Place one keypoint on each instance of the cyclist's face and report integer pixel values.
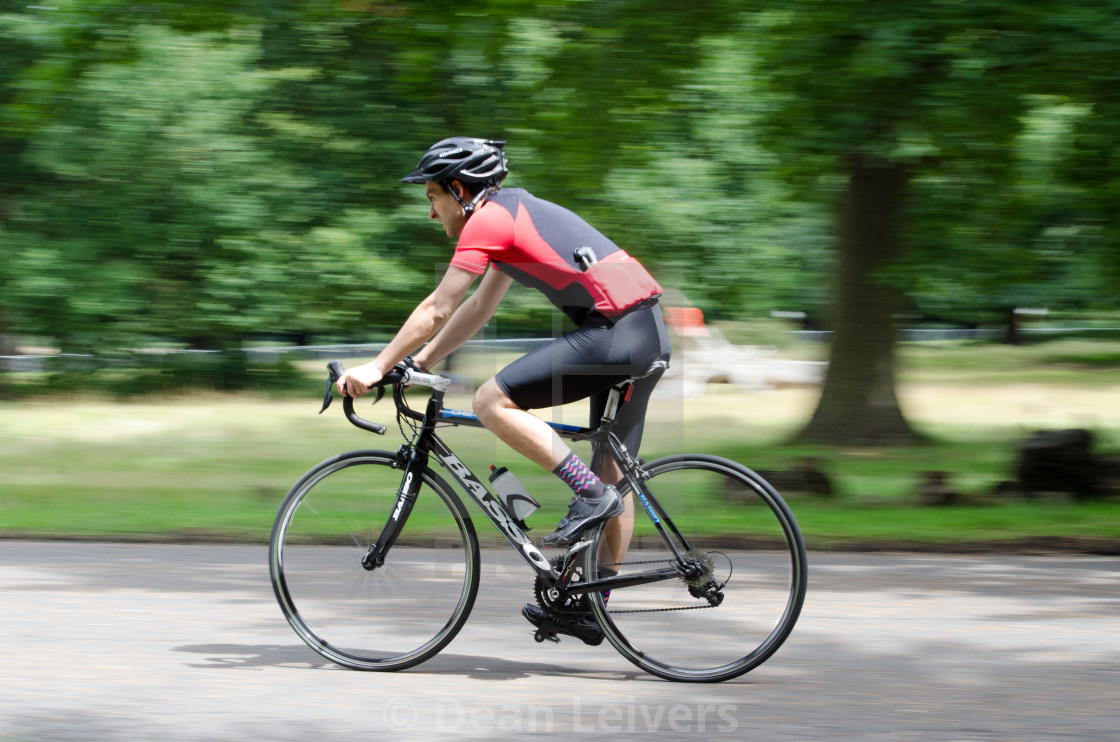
(446, 210)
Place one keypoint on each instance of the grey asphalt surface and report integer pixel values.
(166, 642)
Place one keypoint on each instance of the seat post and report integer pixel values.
(616, 395)
(621, 391)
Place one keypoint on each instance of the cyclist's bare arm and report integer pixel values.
(467, 320)
(428, 317)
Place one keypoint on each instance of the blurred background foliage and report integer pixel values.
(216, 173)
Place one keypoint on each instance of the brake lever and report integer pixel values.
(334, 371)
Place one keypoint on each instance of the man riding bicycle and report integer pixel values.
(507, 234)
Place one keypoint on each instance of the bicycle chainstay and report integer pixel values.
(654, 610)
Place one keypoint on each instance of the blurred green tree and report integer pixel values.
(1029, 241)
(912, 116)
(391, 79)
(708, 203)
(145, 175)
(223, 170)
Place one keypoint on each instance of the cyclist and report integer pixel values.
(507, 234)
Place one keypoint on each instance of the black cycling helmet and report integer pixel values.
(464, 159)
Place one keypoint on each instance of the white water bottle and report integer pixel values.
(519, 503)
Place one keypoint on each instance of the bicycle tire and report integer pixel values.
(732, 514)
(397, 615)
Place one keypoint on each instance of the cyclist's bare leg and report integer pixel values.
(520, 430)
(618, 531)
(531, 437)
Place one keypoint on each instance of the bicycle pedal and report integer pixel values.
(540, 636)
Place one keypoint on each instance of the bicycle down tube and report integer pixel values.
(493, 509)
(501, 518)
(418, 453)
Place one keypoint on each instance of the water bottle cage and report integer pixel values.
(519, 508)
(515, 500)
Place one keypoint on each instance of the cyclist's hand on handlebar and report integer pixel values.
(358, 380)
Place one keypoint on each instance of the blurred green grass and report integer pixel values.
(215, 466)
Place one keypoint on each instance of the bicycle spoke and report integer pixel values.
(368, 618)
(750, 559)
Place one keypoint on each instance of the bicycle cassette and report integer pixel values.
(703, 575)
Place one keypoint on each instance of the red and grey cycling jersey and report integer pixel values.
(540, 244)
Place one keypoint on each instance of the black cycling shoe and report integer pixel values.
(584, 628)
(584, 512)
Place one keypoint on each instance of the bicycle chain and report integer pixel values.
(661, 610)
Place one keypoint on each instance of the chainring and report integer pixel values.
(571, 609)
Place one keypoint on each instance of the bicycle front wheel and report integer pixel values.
(731, 617)
(398, 614)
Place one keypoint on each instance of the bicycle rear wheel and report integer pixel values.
(741, 529)
(391, 617)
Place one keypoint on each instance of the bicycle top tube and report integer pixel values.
(461, 417)
(402, 377)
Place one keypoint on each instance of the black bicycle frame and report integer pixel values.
(414, 457)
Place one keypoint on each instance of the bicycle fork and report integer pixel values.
(413, 461)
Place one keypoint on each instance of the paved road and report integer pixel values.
(138, 642)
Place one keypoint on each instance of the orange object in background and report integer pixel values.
(686, 320)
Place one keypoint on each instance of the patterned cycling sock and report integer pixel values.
(607, 572)
(577, 476)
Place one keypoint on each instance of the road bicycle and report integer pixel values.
(375, 560)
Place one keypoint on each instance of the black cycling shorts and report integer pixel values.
(587, 362)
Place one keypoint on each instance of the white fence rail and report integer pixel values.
(38, 362)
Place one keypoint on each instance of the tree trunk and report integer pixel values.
(7, 348)
(1012, 335)
(858, 404)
